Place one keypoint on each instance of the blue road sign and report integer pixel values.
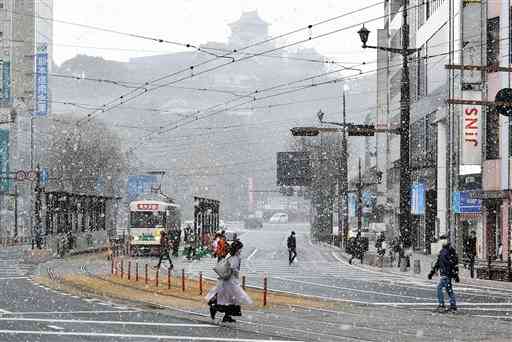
(464, 204)
(44, 176)
(138, 185)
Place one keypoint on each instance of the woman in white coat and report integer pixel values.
(228, 295)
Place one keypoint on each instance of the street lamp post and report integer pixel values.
(405, 176)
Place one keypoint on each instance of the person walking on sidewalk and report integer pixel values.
(292, 247)
(358, 246)
(164, 250)
(228, 296)
(447, 265)
(471, 253)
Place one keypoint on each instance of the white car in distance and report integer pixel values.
(279, 218)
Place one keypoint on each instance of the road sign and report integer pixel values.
(463, 203)
(43, 176)
(21, 175)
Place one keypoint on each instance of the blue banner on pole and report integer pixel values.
(41, 82)
(352, 205)
(6, 83)
(44, 176)
(138, 185)
(4, 160)
(464, 204)
(418, 190)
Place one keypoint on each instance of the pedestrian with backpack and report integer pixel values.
(447, 265)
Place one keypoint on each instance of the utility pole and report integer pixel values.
(405, 175)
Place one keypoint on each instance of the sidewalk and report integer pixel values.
(425, 267)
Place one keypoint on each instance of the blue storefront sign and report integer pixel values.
(138, 185)
(41, 82)
(4, 160)
(418, 190)
(464, 204)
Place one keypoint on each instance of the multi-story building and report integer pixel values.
(22, 34)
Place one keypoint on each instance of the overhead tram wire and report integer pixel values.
(144, 86)
(179, 124)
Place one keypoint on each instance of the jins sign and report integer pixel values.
(471, 122)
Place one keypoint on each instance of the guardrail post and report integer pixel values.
(136, 271)
(243, 282)
(169, 278)
(183, 279)
(265, 291)
(146, 272)
(156, 277)
(122, 268)
(200, 283)
(129, 270)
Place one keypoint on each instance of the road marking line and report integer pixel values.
(5, 311)
(349, 289)
(491, 316)
(154, 337)
(163, 324)
(13, 278)
(72, 312)
(252, 254)
(55, 327)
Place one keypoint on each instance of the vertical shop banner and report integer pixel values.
(4, 160)
(41, 81)
(418, 198)
(471, 115)
(471, 151)
(352, 205)
(6, 84)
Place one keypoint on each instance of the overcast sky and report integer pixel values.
(200, 21)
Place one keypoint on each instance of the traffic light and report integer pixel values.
(361, 130)
(305, 131)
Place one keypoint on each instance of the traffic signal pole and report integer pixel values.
(343, 183)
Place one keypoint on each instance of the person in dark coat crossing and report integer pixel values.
(447, 266)
(292, 247)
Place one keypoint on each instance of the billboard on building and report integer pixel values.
(138, 185)
(4, 160)
(41, 81)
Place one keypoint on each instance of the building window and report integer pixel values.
(493, 42)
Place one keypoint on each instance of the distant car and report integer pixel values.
(253, 222)
(279, 218)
